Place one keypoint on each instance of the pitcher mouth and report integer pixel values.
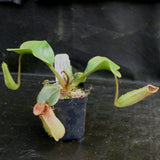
(152, 89)
(40, 109)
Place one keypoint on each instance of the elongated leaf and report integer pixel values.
(99, 63)
(40, 49)
(49, 94)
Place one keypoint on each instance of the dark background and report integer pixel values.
(127, 32)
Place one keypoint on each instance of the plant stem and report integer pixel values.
(60, 79)
(117, 90)
(19, 70)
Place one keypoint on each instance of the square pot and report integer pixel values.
(72, 113)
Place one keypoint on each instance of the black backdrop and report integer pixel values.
(126, 32)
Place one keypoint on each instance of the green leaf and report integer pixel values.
(99, 63)
(49, 94)
(40, 49)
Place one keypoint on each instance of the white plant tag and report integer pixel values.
(60, 63)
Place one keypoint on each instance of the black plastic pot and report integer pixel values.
(72, 113)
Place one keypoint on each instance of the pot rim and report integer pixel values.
(72, 101)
